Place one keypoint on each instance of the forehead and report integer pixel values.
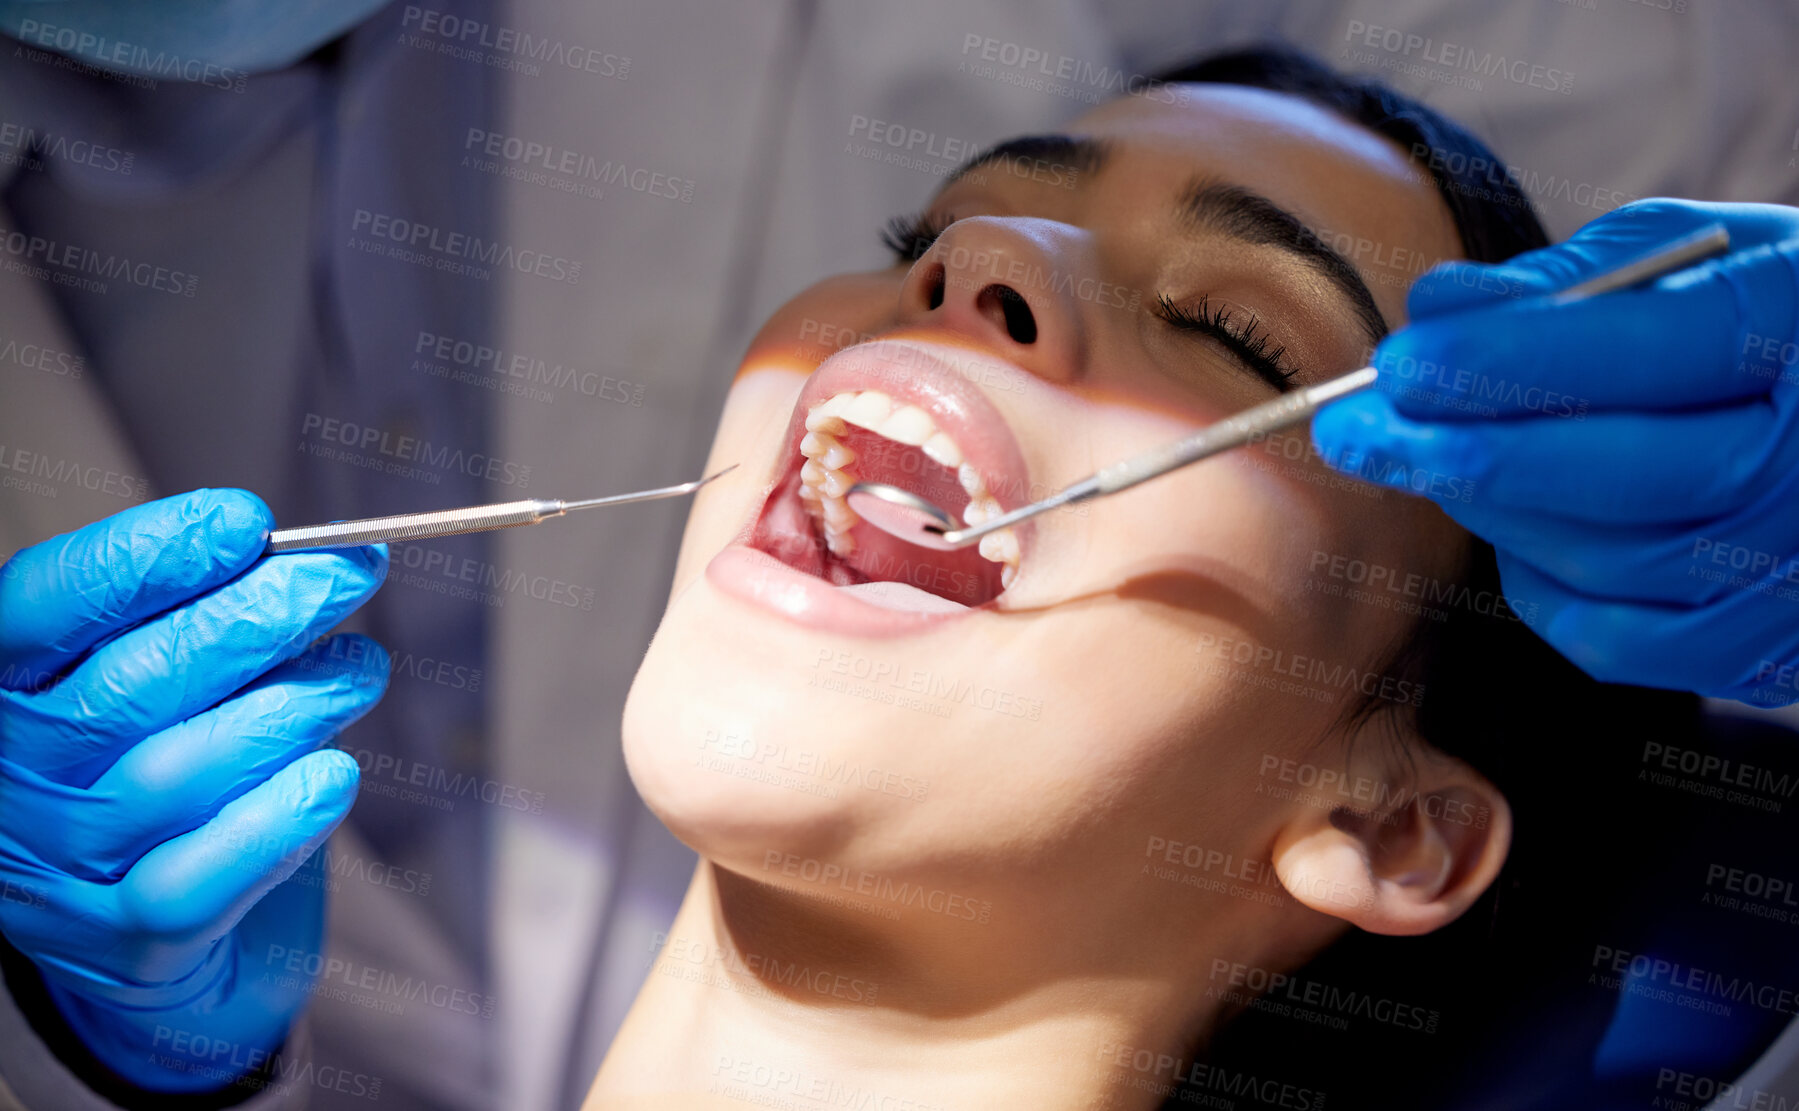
(1359, 191)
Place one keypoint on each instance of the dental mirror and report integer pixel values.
(902, 514)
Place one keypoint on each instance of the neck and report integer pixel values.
(761, 996)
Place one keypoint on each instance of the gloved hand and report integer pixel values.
(162, 774)
(1633, 457)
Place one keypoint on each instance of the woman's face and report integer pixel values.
(1153, 656)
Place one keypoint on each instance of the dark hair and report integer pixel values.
(1494, 695)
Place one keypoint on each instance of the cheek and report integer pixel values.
(1227, 561)
(826, 317)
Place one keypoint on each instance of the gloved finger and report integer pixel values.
(63, 596)
(1618, 236)
(187, 893)
(180, 778)
(1604, 468)
(1677, 343)
(1690, 564)
(1651, 645)
(176, 665)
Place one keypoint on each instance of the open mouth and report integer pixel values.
(896, 413)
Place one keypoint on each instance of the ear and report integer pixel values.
(1409, 868)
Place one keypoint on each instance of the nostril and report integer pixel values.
(1021, 325)
(934, 282)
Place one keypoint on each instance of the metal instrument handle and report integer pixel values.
(414, 526)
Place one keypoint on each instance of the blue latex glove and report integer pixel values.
(162, 773)
(1632, 457)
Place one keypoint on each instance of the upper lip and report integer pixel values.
(940, 379)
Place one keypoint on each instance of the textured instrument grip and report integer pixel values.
(412, 526)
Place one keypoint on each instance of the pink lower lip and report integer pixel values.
(764, 581)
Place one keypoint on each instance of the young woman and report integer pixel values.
(1027, 827)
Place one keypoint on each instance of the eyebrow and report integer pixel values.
(1251, 218)
(1084, 156)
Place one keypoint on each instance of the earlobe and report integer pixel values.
(1409, 869)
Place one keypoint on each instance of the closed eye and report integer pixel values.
(1240, 333)
(909, 237)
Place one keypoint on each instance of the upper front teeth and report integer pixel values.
(824, 478)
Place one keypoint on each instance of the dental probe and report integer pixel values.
(918, 521)
(454, 522)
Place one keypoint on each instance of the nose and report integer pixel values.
(1008, 283)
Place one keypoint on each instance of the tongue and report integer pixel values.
(902, 596)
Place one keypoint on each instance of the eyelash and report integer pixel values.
(1254, 347)
(910, 236)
